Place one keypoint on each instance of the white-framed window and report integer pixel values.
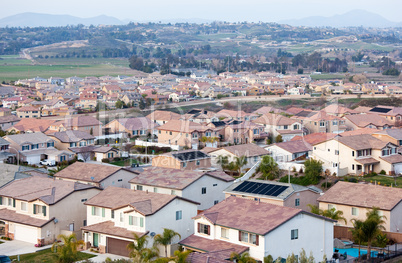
(297, 202)
(179, 215)
(248, 237)
(355, 211)
(224, 233)
(155, 190)
(121, 217)
(139, 187)
(24, 206)
(322, 123)
(197, 162)
(173, 192)
(336, 152)
(330, 206)
(203, 190)
(294, 234)
(204, 229)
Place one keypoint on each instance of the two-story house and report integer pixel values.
(360, 121)
(289, 151)
(98, 175)
(358, 154)
(161, 117)
(276, 124)
(72, 138)
(186, 160)
(184, 133)
(87, 124)
(354, 200)
(140, 126)
(28, 112)
(204, 187)
(115, 214)
(34, 147)
(243, 132)
(37, 209)
(261, 229)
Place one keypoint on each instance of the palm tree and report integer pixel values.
(372, 227)
(242, 258)
(334, 214)
(315, 209)
(139, 251)
(239, 163)
(52, 172)
(166, 238)
(181, 256)
(357, 232)
(223, 161)
(67, 250)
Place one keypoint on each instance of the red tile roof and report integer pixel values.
(108, 228)
(208, 245)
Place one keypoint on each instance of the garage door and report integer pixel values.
(33, 159)
(117, 247)
(26, 233)
(398, 168)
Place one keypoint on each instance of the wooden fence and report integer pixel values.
(343, 232)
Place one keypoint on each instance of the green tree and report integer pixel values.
(139, 251)
(166, 238)
(291, 258)
(315, 209)
(239, 163)
(223, 161)
(269, 168)
(52, 172)
(119, 104)
(313, 170)
(372, 227)
(334, 214)
(304, 259)
(67, 249)
(357, 232)
(278, 138)
(268, 259)
(181, 256)
(243, 258)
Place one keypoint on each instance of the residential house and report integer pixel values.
(72, 138)
(276, 124)
(252, 152)
(87, 124)
(393, 90)
(371, 88)
(31, 125)
(98, 175)
(289, 151)
(38, 209)
(242, 132)
(161, 117)
(185, 160)
(203, 187)
(355, 200)
(132, 98)
(28, 112)
(316, 122)
(140, 126)
(12, 102)
(240, 225)
(390, 135)
(5, 112)
(282, 194)
(184, 133)
(105, 152)
(8, 121)
(231, 115)
(392, 114)
(88, 100)
(34, 147)
(115, 214)
(360, 121)
(358, 154)
(338, 110)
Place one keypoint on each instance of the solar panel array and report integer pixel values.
(261, 188)
(379, 109)
(188, 156)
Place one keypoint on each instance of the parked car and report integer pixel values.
(4, 259)
(48, 162)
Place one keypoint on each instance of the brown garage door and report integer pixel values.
(117, 246)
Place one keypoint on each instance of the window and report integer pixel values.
(73, 144)
(248, 237)
(203, 190)
(103, 212)
(170, 133)
(24, 206)
(331, 206)
(285, 127)
(224, 233)
(178, 215)
(173, 192)
(84, 200)
(35, 146)
(216, 202)
(294, 234)
(353, 153)
(295, 127)
(10, 202)
(131, 220)
(322, 123)
(84, 223)
(215, 185)
(353, 166)
(204, 229)
(184, 165)
(297, 202)
(335, 123)
(256, 131)
(112, 213)
(121, 217)
(198, 162)
(25, 147)
(139, 187)
(50, 144)
(155, 190)
(355, 211)
(120, 180)
(336, 152)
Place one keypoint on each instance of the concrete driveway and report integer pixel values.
(15, 247)
(102, 257)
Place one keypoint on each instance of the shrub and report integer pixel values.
(117, 159)
(301, 170)
(105, 160)
(353, 180)
(383, 172)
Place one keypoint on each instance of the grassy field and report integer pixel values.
(127, 162)
(13, 60)
(327, 76)
(381, 180)
(15, 72)
(47, 256)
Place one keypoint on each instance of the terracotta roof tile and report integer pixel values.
(248, 150)
(362, 120)
(208, 245)
(274, 119)
(35, 125)
(11, 215)
(108, 228)
(361, 142)
(315, 138)
(72, 136)
(363, 195)
(295, 146)
(183, 126)
(138, 123)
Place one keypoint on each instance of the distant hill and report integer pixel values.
(36, 20)
(352, 18)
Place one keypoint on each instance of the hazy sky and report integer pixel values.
(228, 10)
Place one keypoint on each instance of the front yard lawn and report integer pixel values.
(47, 256)
(381, 180)
(126, 162)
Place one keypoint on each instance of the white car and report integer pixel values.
(48, 162)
